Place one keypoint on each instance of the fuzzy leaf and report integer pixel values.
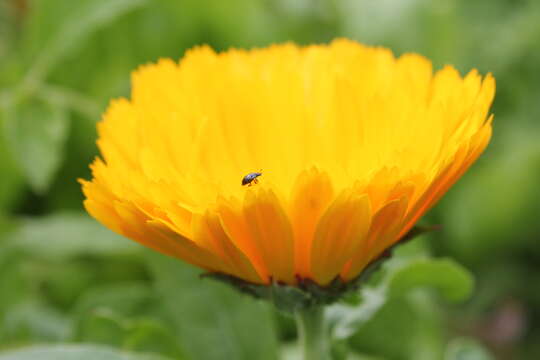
(212, 320)
(65, 235)
(35, 134)
(452, 280)
(83, 21)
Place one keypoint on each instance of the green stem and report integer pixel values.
(313, 334)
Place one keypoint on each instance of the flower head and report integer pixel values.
(353, 146)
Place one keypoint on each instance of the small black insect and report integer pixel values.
(251, 178)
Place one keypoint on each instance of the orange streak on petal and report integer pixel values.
(132, 223)
(271, 232)
(342, 229)
(182, 248)
(448, 177)
(385, 227)
(234, 224)
(386, 235)
(208, 232)
(310, 198)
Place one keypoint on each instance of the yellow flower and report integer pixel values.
(354, 146)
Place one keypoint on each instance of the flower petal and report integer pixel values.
(341, 230)
(462, 160)
(384, 229)
(387, 134)
(235, 226)
(178, 246)
(208, 232)
(310, 198)
(271, 232)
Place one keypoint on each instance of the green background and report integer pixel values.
(70, 289)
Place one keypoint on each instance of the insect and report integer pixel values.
(251, 178)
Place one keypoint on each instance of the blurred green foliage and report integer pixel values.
(70, 289)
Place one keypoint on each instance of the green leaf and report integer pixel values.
(401, 276)
(148, 335)
(35, 134)
(346, 319)
(101, 327)
(11, 181)
(74, 352)
(65, 235)
(290, 352)
(213, 322)
(412, 328)
(106, 327)
(82, 22)
(32, 320)
(14, 286)
(466, 349)
(127, 299)
(452, 280)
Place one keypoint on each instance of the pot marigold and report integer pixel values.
(352, 145)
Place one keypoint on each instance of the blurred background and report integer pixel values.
(66, 280)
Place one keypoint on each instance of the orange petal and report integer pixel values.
(178, 246)
(384, 229)
(128, 221)
(236, 228)
(342, 229)
(463, 159)
(310, 198)
(271, 232)
(208, 232)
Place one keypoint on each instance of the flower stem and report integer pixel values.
(313, 333)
